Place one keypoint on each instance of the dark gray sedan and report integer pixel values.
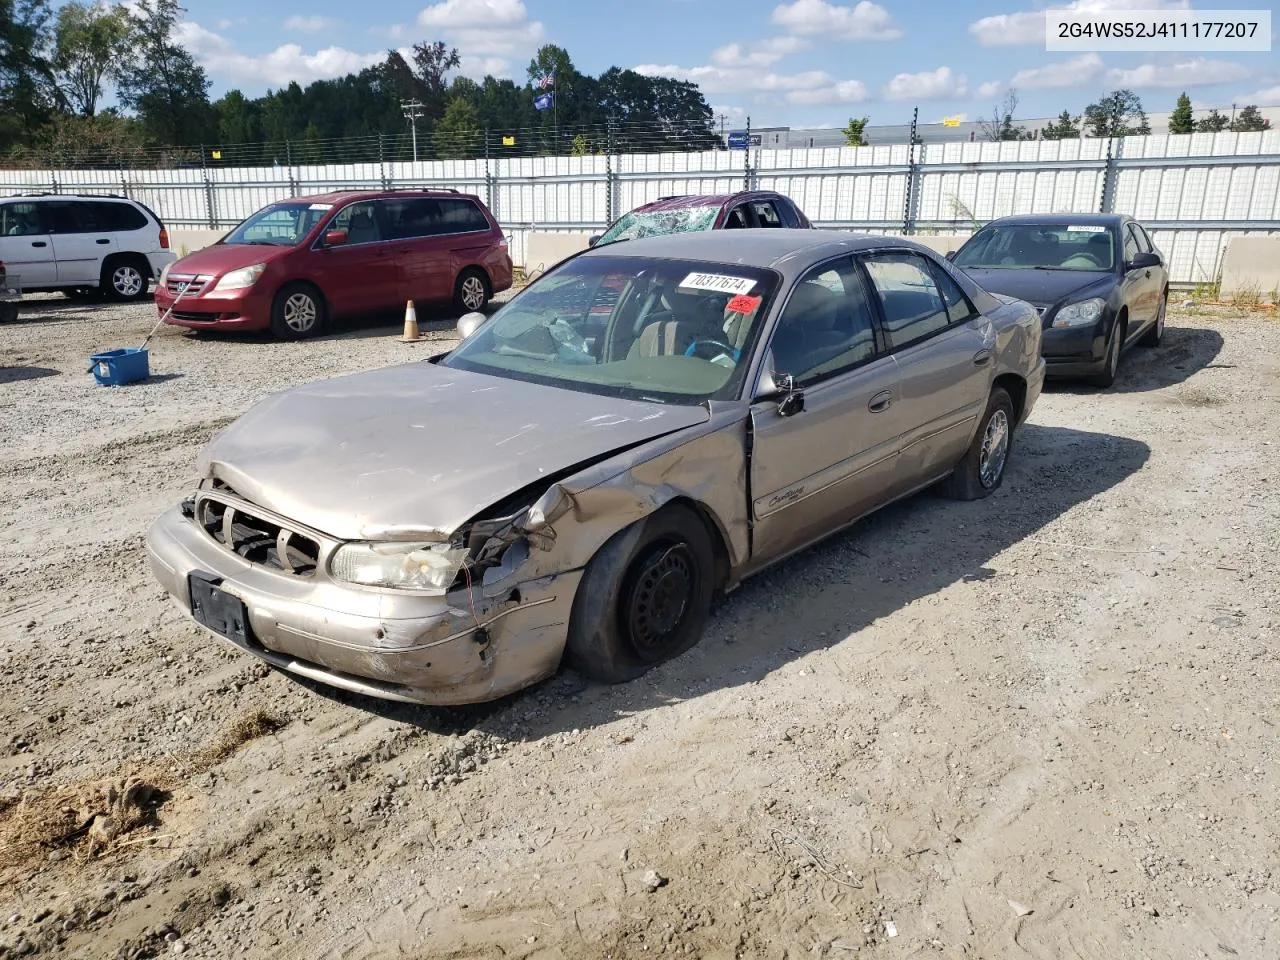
(637, 431)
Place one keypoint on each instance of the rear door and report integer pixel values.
(82, 239)
(414, 227)
(819, 468)
(467, 235)
(946, 357)
(364, 274)
(25, 245)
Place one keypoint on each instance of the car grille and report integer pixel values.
(195, 284)
(251, 533)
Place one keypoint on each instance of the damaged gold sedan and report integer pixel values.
(634, 433)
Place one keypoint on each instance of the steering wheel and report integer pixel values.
(718, 346)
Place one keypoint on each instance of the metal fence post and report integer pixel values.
(124, 184)
(610, 178)
(382, 165)
(53, 180)
(1107, 201)
(746, 159)
(913, 172)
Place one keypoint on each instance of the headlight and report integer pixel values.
(409, 566)
(242, 278)
(1079, 314)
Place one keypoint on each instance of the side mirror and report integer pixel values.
(792, 399)
(1144, 260)
(594, 240)
(951, 254)
(335, 238)
(469, 323)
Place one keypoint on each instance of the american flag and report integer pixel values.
(546, 81)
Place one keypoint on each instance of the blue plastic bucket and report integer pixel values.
(115, 367)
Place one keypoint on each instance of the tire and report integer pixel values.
(1155, 333)
(297, 312)
(125, 279)
(981, 471)
(625, 618)
(1111, 364)
(8, 311)
(471, 292)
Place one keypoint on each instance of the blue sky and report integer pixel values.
(796, 62)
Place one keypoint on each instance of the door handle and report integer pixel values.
(102, 240)
(880, 402)
(38, 243)
(981, 358)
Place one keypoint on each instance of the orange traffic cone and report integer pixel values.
(411, 332)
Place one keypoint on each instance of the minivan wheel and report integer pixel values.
(471, 292)
(124, 279)
(981, 471)
(644, 597)
(297, 312)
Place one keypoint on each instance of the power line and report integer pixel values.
(412, 111)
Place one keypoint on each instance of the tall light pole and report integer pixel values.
(412, 111)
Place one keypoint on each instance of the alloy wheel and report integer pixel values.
(995, 449)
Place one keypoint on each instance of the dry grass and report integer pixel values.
(1247, 295)
(91, 817)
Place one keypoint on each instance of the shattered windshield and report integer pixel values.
(672, 331)
(279, 225)
(1083, 246)
(634, 225)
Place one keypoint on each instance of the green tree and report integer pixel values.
(90, 42)
(854, 130)
(1066, 127)
(432, 63)
(26, 76)
(1249, 119)
(458, 135)
(1118, 114)
(239, 119)
(1215, 122)
(1181, 121)
(1000, 125)
(163, 83)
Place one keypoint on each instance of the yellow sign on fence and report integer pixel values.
(508, 141)
(951, 121)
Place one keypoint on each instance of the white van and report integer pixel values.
(82, 244)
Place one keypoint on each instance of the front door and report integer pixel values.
(823, 466)
(946, 357)
(364, 274)
(25, 245)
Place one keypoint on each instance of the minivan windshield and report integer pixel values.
(652, 223)
(1032, 246)
(645, 328)
(280, 225)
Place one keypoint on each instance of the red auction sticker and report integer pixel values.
(743, 303)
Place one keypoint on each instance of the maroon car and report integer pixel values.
(750, 208)
(295, 264)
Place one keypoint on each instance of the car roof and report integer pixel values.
(338, 196)
(1062, 219)
(701, 200)
(37, 197)
(787, 250)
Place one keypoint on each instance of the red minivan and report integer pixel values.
(295, 264)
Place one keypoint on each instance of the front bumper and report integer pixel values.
(1072, 351)
(446, 650)
(230, 310)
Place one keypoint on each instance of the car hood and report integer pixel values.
(414, 451)
(224, 257)
(1038, 287)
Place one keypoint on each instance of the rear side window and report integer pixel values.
(119, 216)
(1130, 245)
(958, 306)
(20, 220)
(913, 308)
(69, 216)
(461, 216)
(766, 213)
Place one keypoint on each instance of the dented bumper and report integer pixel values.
(468, 646)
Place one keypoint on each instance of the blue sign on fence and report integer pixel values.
(737, 141)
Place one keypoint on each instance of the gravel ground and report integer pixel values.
(1042, 724)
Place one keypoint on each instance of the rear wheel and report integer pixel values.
(981, 471)
(297, 312)
(125, 278)
(1155, 333)
(644, 597)
(471, 292)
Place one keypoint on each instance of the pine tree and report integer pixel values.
(1181, 121)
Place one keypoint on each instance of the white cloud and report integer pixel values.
(1264, 98)
(277, 68)
(474, 13)
(991, 89)
(1059, 74)
(761, 54)
(733, 116)
(847, 91)
(477, 68)
(940, 84)
(1027, 27)
(309, 24)
(862, 21)
(1190, 73)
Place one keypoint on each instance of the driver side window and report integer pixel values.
(826, 327)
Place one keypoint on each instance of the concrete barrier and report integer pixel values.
(943, 243)
(543, 249)
(1251, 268)
(184, 241)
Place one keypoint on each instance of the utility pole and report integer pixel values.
(722, 120)
(412, 110)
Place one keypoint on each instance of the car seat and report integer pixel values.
(692, 317)
(362, 229)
